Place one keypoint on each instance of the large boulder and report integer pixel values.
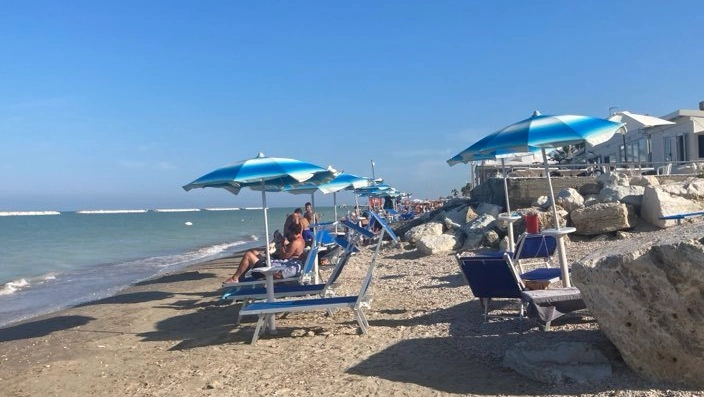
(625, 194)
(614, 179)
(644, 180)
(444, 243)
(476, 230)
(569, 199)
(456, 217)
(647, 298)
(490, 209)
(601, 218)
(560, 363)
(589, 188)
(671, 199)
(547, 219)
(420, 231)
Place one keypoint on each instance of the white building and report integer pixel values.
(647, 143)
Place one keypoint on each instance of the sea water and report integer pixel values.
(53, 260)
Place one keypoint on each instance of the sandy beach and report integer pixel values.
(172, 336)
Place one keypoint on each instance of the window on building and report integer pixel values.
(667, 147)
(681, 148)
(700, 141)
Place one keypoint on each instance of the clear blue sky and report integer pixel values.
(117, 104)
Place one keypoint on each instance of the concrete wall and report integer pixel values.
(524, 191)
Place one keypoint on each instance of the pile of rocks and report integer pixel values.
(613, 202)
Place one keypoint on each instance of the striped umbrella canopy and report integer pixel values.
(376, 187)
(474, 153)
(265, 174)
(546, 131)
(343, 181)
(381, 193)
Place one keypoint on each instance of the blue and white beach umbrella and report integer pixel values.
(265, 174)
(545, 131)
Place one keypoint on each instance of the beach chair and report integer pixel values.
(407, 215)
(391, 214)
(496, 278)
(252, 288)
(532, 247)
(251, 281)
(357, 303)
(491, 277)
(247, 296)
(307, 272)
(252, 291)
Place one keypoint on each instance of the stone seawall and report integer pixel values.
(524, 191)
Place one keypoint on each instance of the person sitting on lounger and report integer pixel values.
(291, 257)
(298, 217)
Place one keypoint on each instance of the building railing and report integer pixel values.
(592, 169)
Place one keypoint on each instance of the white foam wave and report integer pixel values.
(177, 210)
(199, 254)
(24, 213)
(223, 209)
(253, 237)
(111, 211)
(13, 286)
(253, 208)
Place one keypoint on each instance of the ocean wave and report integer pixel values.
(111, 211)
(177, 210)
(200, 254)
(223, 209)
(14, 286)
(25, 213)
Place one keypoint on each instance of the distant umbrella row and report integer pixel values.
(274, 174)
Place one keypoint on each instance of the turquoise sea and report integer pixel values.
(50, 261)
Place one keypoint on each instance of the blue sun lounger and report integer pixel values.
(680, 217)
(238, 294)
(531, 246)
(357, 303)
(496, 278)
(247, 296)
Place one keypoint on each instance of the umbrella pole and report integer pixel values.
(316, 278)
(334, 203)
(552, 194)
(511, 243)
(269, 280)
(266, 228)
(564, 268)
(471, 175)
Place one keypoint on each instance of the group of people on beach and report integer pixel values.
(289, 250)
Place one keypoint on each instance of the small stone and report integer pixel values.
(214, 385)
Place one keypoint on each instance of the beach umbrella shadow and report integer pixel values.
(471, 366)
(175, 278)
(129, 298)
(35, 329)
(211, 325)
